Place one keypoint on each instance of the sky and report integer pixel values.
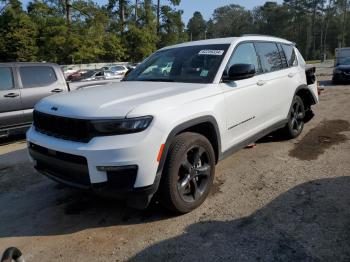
(206, 7)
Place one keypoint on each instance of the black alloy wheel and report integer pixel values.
(297, 116)
(188, 173)
(295, 124)
(194, 174)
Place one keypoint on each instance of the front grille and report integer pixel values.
(62, 127)
(67, 168)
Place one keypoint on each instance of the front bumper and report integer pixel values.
(341, 77)
(119, 166)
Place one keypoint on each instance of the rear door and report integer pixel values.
(274, 82)
(11, 113)
(295, 75)
(37, 81)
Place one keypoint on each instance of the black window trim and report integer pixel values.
(44, 65)
(276, 43)
(296, 57)
(12, 71)
(262, 41)
(235, 49)
(282, 53)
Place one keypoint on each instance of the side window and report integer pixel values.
(290, 55)
(269, 56)
(37, 76)
(6, 78)
(244, 54)
(283, 56)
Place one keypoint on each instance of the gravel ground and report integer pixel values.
(279, 201)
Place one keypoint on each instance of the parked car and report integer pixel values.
(68, 71)
(165, 133)
(166, 69)
(93, 75)
(117, 70)
(112, 75)
(132, 66)
(22, 85)
(76, 74)
(341, 72)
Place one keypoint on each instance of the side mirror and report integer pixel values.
(239, 72)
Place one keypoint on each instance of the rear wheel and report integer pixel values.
(188, 174)
(295, 124)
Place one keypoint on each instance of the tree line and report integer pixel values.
(77, 31)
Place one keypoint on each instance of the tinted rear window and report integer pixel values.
(269, 57)
(290, 55)
(36, 76)
(6, 79)
(283, 56)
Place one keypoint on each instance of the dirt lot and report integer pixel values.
(279, 201)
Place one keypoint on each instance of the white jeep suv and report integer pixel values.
(165, 132)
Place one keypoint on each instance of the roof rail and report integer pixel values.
(268, 36)
(263, 35)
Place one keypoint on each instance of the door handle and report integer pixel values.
(261, 83)
(12, 95)
(291, 75)
(56, 90)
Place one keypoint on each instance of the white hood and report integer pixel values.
(116, 100)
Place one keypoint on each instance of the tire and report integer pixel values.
(296, 116)
(188, 173)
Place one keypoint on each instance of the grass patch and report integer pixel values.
(313, 62)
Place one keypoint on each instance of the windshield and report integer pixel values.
(190, 64)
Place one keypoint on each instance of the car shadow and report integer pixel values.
(329, 83)
(278, 135)
(310, 222)
(325, 83)
(11, 139)
(270, 138)
(33, 205)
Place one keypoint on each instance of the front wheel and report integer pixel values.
(188, 174)
(295, 124)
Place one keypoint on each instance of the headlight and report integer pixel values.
(337, 71)
(121, 126)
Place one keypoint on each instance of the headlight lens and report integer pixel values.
(337, 71)
(121, 126)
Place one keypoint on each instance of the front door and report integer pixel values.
(242, 98)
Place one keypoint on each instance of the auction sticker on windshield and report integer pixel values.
(211, 52)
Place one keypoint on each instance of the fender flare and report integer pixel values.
(305, 87)
(182, 127)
